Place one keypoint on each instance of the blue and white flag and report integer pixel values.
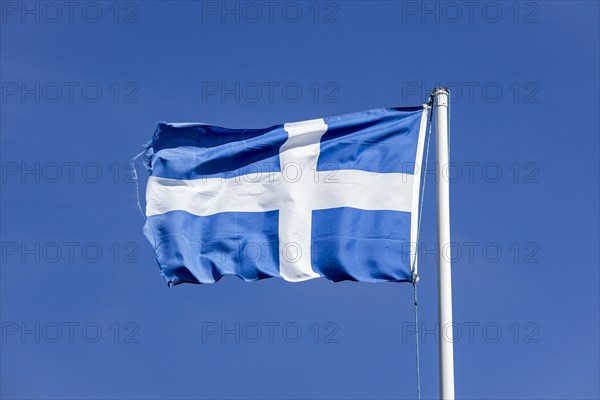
(334, 197)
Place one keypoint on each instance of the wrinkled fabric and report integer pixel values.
(335, 197)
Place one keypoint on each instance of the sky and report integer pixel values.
(84, 310)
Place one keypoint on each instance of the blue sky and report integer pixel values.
(84, 311)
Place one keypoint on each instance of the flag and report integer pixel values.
(334, 197)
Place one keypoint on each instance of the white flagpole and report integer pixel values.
(441, 100)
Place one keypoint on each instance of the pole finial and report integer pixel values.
(440, 96)
(440, 90)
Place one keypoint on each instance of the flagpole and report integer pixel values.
(441, 101)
